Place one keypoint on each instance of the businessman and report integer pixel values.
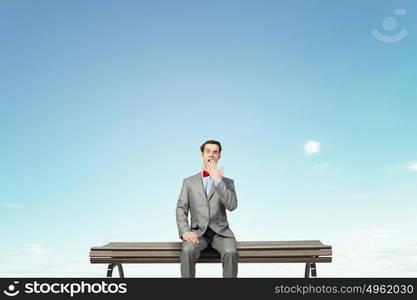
(207, 195)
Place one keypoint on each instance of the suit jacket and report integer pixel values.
(205, 210)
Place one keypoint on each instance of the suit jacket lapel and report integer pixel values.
(198, 181)
(211, 192)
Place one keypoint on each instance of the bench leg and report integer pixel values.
(310, 268)
(110, 270)
(306, 272)
(121, 273)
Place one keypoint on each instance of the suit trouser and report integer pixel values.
(226, 246)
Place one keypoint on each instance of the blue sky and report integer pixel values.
(104, 104)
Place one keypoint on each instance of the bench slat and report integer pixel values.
(273, 253)
(243, 245)
(213, 260)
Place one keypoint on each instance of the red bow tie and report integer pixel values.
(205, 173)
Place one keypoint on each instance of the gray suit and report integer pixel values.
(209, 221)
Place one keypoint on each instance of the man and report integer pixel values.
(207, 195)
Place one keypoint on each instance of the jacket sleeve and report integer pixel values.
(227, 193)
(183, 208)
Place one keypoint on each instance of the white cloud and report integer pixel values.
(12, 205)
(373, 252)
(312, 147)
(367, 235)
(412, 166)
(33, 249)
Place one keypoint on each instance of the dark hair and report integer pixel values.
(211, 142)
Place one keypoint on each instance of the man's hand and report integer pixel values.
(191, 237)
(215, 173)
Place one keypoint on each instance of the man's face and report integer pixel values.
(211, 152)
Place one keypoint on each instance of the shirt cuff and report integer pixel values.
(217, 181)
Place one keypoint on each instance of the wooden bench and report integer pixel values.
(308, 252)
